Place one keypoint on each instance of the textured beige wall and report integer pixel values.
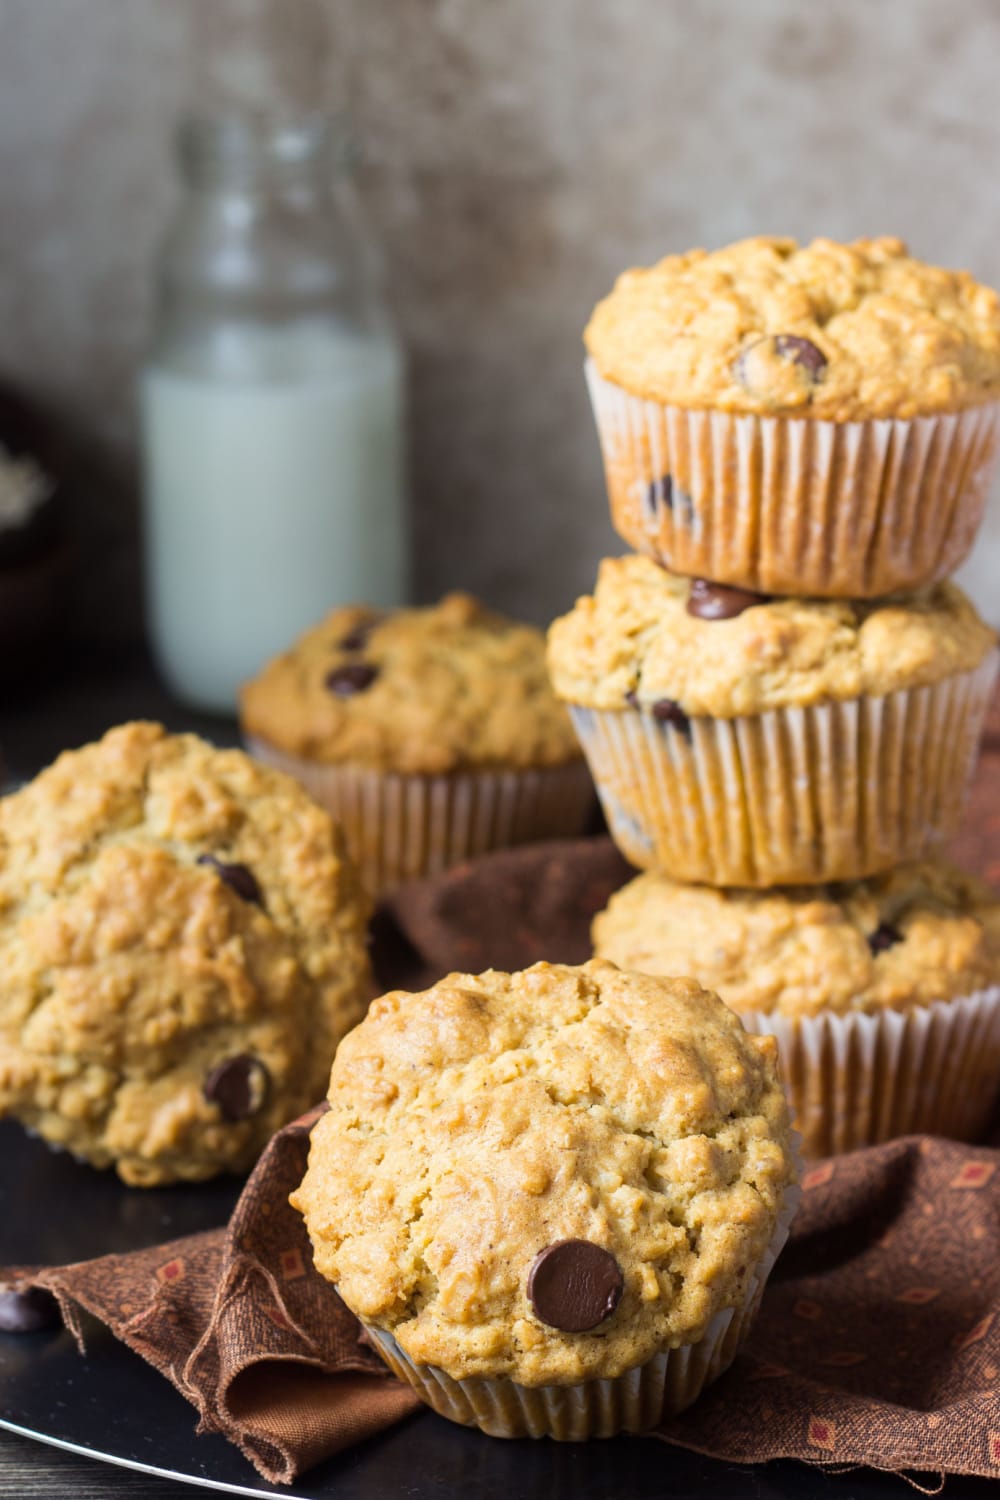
(519, 153)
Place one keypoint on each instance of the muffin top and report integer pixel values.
(418, 690)
(920, 933)
(842, 332)
(182, 945)
(647, 637)
(481, 1123)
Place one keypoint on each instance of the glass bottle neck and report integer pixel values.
(261, 153)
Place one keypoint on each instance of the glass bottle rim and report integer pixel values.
(248, 146)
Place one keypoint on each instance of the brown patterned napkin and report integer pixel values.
(243, 1326)
(879, 1338)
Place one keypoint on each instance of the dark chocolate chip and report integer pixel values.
(719, 601)
(26, 1309)
(632, 698)
(666, 493)
(574, 1285)
(800, 351)
(790, 347)
(885, 936)
(357, 639)
(354, 678)
(237, 877)
(669, 712)
(238, 1086)
(660, 492)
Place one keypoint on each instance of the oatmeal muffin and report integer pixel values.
(884, 994)
(738, 740)
(182, 946)
(430, 734)
(541, 1192)
(818, 420)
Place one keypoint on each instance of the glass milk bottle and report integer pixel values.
(272, 407)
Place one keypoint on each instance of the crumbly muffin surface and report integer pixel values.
(635, 636)
(920, 933)
(842, 332)
(449, 686)
(476, 1124)
(165, 909)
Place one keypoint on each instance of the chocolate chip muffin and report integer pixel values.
(741, 740)
(541, 1191)
(818, 419)
(884, 994)
(182, 943)
(430, 734)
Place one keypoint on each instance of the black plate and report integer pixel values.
(110, 1405)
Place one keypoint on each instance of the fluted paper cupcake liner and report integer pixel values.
(402, 827)
(855, 1080)
(831, 792)
(796, 505)
(632, 1402)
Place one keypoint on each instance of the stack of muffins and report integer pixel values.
(780, 694)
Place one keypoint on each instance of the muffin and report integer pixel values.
(430, 735)
(552, 1197)
(884, 994)
(819, 420)
(737, 740)
(182, 946)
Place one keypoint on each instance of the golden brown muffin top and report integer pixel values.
(419, 690)
(920, 933)
(843, 332)
(167, 908)
(635, 641)
(478, 1123)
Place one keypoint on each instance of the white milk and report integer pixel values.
(273, 491)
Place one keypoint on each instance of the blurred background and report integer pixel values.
(516, 156)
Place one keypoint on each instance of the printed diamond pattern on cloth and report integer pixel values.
(172, 1271)
(974, 1174)
(822, 1434)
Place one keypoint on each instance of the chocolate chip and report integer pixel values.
(354, 678)
(574, 1285)
(664, 492)
(719, 601)
(885, 936)
(660, 492)
(752, 362)
(357, 639)
(632, 698)
(238, 1086)
(669, 712)
(26, 1309)
(800, 351)
(237, 877)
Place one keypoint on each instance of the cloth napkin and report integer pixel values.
(879, 1337)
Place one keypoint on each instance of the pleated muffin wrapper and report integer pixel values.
(796, 505)
(632, 1402)
(835, 791)
(858, 1079)
(402, 827)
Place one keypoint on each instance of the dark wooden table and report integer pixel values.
(34, 1471)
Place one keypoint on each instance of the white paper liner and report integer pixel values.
(402, 827)
(855, 1080)
(832, 792)
(796, 505)
(633, 1402)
